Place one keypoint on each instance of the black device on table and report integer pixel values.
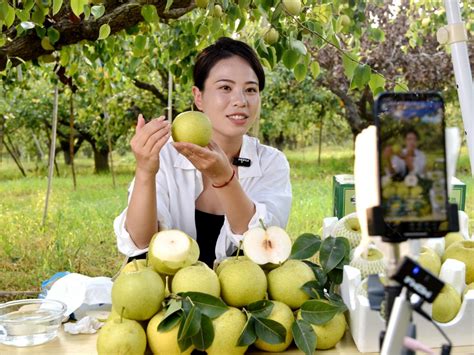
(413, 193)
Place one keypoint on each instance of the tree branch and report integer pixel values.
(119, 15)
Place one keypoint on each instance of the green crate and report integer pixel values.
(344, 194)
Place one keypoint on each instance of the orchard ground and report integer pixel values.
(78, 235)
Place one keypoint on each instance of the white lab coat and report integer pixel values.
(178, 184)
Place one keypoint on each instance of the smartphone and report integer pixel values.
(412, 164)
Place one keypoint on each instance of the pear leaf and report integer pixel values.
(261, 308)
(269, 330)
(318, 311)
(204, 337)
(248, 336)
(209, 305)
(104, 31)
(332, 252)
(305, 246)
(304, 336)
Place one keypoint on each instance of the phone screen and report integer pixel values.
(412, 163)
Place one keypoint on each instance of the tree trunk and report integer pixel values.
(101, 160)
(65, 149)
(2, 130)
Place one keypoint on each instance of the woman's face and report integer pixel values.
(231, 98)
(411, 141)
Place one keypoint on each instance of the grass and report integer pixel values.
(79, 237)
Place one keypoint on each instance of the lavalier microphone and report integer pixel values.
(239, 161)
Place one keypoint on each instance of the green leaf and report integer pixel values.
(261, 308)
(318, 311)
(97, 11)
(290, 58)
(170, 321)
(23, 15)
(313, 289)
(361, 76)
(185, 343)
(209, 305)
(104, 31)
(64, 57)
(337, 301)
(191, 324)
(77, 7)
(38, 16)
(168, 4)
(57, 4)
(299, 47)
(376, 83)
(46, 44)
(304, 336)
(248, 336)
(140, 42)
(204, 337)
(9, 16)
(87, 11)
(300, 72)
(331, 253)
(149, 13)
(377, 34)
(315, 69)
(401, 87)
(336, 276)
(305, 246)
(270, 331)
(174, 306)
(349, 62)
(53, 35)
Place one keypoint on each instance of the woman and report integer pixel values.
(198, 190)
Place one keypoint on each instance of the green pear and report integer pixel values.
(121, 336)
(349, 228)
(135, 265)
(271, 36)
(446, 305)
(228, 261)
(196, 278)
(242, 282)
(292, 6)
(462, 250)
(282, 314)
(139, 293)
(346, 21)
(329, 333)
(192, 126)
(227, 329)
(452, 237)
(270, 245)
(217, 11)
(171, 250)
(369, 263)
(429, 260)
(202, 3)
(285, 282)
(163, 343)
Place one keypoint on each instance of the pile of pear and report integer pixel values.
(142, 288)
(448, 303)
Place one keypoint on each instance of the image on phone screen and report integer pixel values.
(412, 158)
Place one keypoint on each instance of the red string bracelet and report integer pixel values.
(225, 183)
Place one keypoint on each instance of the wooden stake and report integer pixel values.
(109, 141)
(71, 138)
(52, 153)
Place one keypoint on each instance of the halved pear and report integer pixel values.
(171, 250)
(267, 246)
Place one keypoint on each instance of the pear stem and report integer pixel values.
(238, 250)
(121, 314)
(135, 263)
(262, 224)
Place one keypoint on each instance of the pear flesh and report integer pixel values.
(263, 246)
(171, 250)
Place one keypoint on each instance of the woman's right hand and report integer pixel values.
(147, 142)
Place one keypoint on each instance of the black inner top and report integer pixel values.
(208, 227)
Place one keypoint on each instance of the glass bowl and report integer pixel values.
(30, 322)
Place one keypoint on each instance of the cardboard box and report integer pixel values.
(344, 194)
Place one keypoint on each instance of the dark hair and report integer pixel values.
(224, 48)
(412, 130)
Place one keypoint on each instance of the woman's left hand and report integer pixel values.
(211, 161)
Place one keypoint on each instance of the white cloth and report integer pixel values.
(178, 184)
(419, 164)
